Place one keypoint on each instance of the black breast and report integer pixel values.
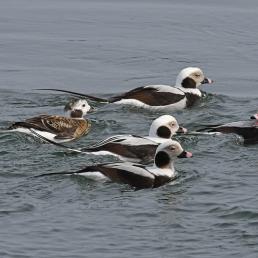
(191, 99)
(161, 180)
(250, 134)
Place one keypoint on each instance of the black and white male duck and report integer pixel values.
(57, 128)
(160, 97)
(132, 147)
(137, 175)
(247, 129)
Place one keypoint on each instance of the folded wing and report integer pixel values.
(159, 95)
(63, 127)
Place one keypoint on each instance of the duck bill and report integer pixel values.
(185, 154)
(181, 130)
(254, 116)
(207, 81)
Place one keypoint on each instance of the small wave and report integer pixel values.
(23, 208)
(240, 215)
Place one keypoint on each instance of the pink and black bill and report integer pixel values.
(185, 154)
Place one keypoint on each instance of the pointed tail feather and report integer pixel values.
(14, 126)
(86, 169)
(208, 128)
(202, 133)
(23, 124)
(56, 174)
(83, 150)
(5, 131)
(102, 100)
(55, 143)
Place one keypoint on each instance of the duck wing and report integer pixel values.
(62, 127)
(127, 146)
(127, 173)
(154, 95)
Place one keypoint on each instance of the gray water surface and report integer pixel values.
(106, 47)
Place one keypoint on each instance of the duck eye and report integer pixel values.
(172, 124)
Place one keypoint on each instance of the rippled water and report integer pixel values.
(99, 47)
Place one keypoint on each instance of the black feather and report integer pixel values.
(79, 94)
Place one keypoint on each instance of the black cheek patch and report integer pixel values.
(164, 132)
(76, 113)
(162, 159)
(189, 83)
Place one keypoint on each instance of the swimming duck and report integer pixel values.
(58, 128)
(247, 129)
(136, 148)
(184, 94)
(136, 175)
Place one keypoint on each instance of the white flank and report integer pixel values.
(169, 172)
(172, 107)
(97, 176)
(132, 169)
(49, 136)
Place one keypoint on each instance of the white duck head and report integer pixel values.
(168, 152)
(191, 78)
(165, 127)
(78, 108)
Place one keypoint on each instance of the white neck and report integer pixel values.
(152, 132)
(167, 171)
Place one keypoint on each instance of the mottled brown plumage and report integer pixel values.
(63, 127)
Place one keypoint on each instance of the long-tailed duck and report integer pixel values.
(137, 175)
(247, 129)
(58, 128)
(161, 97)
(135, 148)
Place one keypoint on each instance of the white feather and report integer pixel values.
(44, 134)
(172, 107)
(166, 88)
(133, 169)
(97, 176)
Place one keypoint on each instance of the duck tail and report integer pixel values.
(208, 128)
(78, 172)
(93, 98)
(4, 130)
(55, 143)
